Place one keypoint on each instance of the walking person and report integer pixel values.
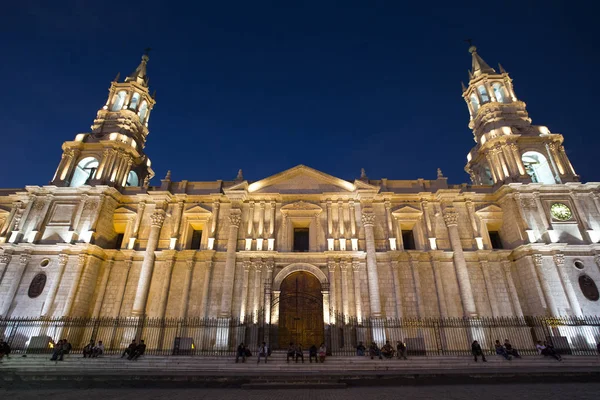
(57, 354)
(263, 351)
(476, 351)
(4, 349)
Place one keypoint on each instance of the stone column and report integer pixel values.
(439, 288)
(136, 225)
(81, 262)
(345, 293)
(176, 224)
(325, 294)
(515, 150)
(329, 220)
(538, 261)
(213, 224)
(250, 219)
(261, 219)
(63, 259)
(257, 284)
(559, 260)
(243, 305)
(413, 262)
(121, 293)
(460, 265)
(512, 290)
(102, 288)
(164, 292)
(368, 220)
(229, 272)
(14, 284)
(4, 261)
(206, 288)
(340, 207)
(397, 293)
(332, 285)
(357, 293)
(489, 287)
(185, 298)
(141, 295)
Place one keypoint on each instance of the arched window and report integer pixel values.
(84, 172)
(499, 92)
(537, 167)
(474, 102)
(483, 93)
(132, 179)
(119, 100)
(487, 177)
(135, 99)
(143, 111)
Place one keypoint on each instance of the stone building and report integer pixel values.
(302, 245)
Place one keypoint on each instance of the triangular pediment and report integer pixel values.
(489, 209)
(197, 209)
(301, 179)
(407, 210)
(124, 211)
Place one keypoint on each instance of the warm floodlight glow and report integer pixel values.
(342, 244)
(330, 245)
(248, 244)
(354, 244)
(270, 244)
(259, 244)
(432, 244)
(479, 241)
(393, 244)
(211, 243)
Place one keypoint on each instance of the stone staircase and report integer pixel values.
(336, 372)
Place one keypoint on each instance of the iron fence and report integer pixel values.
(221, 336)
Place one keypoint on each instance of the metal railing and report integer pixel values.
(221, 336)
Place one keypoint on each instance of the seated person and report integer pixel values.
(401, 349)
(98, 350)
(66, 346)
(57, 354)
(139, 350)
(501, 351)
(322, 352)
(551, 351)
(129, 350)
(387, 351)
(510, 349)
(299, 353)
(88, 350)
(241, 352)
(291, 352)
(312, 352)
(360, 349)
(374, 351)
(4, 349)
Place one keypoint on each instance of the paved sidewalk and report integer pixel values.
(572, 391)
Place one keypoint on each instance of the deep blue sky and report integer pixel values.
(265, 86)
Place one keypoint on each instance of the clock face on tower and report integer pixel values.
(561, 212)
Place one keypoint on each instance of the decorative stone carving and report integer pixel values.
(63, 259)
(39, 205)
(270, 265)
(190, 264)
(158, 218)
(538, 260)
(356, 266)
(588, 288)
(37, 285)
(90, 205)
(559, 260)
(451, 218)
(368, 218)
(528, 203)
(24, 259)
(331, 265)
(246, 265)
(5, 259)
(235, 220)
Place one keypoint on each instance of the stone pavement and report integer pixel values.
(549, 391)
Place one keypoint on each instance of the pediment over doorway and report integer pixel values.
(301, 207)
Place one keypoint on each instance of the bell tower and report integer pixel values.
(113, 152)
(508, 147)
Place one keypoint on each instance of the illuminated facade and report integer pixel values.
(99, 241)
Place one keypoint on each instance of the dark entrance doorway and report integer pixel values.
(301, 311)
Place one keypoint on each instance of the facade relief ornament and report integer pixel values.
(368, 218)
(538, 259)
(270, 265)
(559, 260)
(63, 259)
(24, 259)
(158, 218)
(507, 266)
(235, 220)
(356, 266)
(5, 259)
(246, 265)
(451, 218)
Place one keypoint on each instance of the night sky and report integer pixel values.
(264, 86)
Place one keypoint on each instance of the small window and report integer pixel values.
(132, 179)
(474, 102)
(45, 262)
(483, 94)
(196, 239)
(134, 101)
(119, 241)
(84, 172)
(499, 92)
(300, 239)
(143, 111)
(578, 264)
(495, 240)
(408, 239)
(119, 100)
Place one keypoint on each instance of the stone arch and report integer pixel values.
(299, 267)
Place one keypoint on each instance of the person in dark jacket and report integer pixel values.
(312, 352)
(57, 354)
(476, 351)
(510, 349)
(241, 352)
(401, 349)
(4, 349)
(129, 350)
(140, 349)
(88, 350)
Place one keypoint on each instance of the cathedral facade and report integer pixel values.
(99, 241)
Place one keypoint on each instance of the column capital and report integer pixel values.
(368, 218)
(270, 265)
(597, 259)
(506, 265)
(484, 263)
(343, 265)
(158, 218)
(559, 259)
(537, 259)
(128, 263)
(235, 220)
(82, 258)
(246, 265)
(5, 258)
(451, 218)
(258, 266)
(262, 204)
(395, 264)
(63, 259)
(216, 204)
(331, 265)
(188, 263)
(209, 264)
(24, 259)
(356, 266)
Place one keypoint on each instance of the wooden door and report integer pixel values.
(301, 311)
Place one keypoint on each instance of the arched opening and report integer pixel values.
(537, 167)
(483, 94)
(84, 171)
(487, 176)
(119, 100)
(143, 111)
(474, 102)
(499, 92)
(135, 99)
(301, 310)
(132, 179)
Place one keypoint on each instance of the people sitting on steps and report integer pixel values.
(322, 352)
(299, 353)
(387, 350)
(98, 350)
(360, 349)
(263, 351)
(4, 349)
(401, 349)
(291, 352)
(241, 352)
(501, 351)
(312, 353)
(89, 349)
(129, 350)
(477, 351)
(374, 351)
(140, 349)
(510, 349)
(547, 350)
(59, 350)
